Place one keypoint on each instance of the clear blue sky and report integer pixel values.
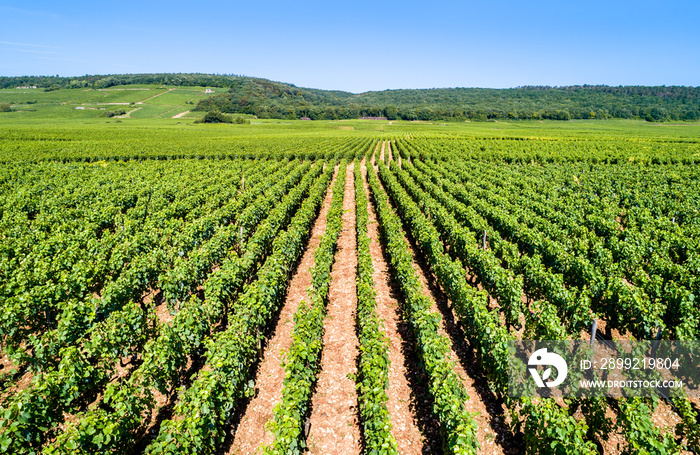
(362, 45)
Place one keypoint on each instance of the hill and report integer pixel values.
(269, 99)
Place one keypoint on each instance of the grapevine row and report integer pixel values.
(458, 425)
(485, 331)
(373, 369)
(82, 372)
(207, 406)
(302, 361)
(165, 358)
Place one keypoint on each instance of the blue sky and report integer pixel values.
(362, 45)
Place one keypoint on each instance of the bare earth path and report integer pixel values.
(151, 97)
(334, 426)
(251, 435)
(128, 114)
(181, 114)
(405, 429)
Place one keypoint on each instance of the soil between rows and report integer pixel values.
(334, 422)
(663, 416)
(493, 434)
(250, 434)
(403, 402)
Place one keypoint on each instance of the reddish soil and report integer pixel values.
(616, 442)
(401, 404)
(665, 418)
(399, 160)
(18, 383)
(492, 432)
(163, 315)
(251, 434)
(6, 363)
(334, 426)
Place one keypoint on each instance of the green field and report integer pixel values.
(155, 100)
(64, 131)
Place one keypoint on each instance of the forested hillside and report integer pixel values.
(275, 100)
(269, 99)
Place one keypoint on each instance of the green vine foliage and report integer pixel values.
(166, 357)
(458, 425)
(373, 372)
(302, 362)
(642, 435)
(484, 328)
(585, 228)
(207, 406)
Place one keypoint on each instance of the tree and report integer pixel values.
(215, 117)
(391, 112)
(656, 114)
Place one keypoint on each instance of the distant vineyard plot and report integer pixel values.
(94, 102)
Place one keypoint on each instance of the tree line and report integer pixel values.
(269, 99)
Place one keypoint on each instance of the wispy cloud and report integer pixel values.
(35, 51)
(60, 59)
(14, 44)
(30, 12)
(38, 15)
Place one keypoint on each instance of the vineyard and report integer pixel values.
(340, 293)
